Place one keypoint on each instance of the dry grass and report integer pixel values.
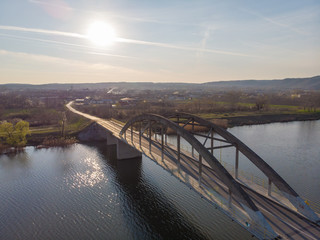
(189, 128)
(220, 122)
(58, 142)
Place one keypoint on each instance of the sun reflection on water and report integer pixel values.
(90, 176)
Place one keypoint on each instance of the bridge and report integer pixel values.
(272, 210)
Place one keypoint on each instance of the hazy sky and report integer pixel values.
(45, 41)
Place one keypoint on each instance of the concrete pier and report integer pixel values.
(95, 132)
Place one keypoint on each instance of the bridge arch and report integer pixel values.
(234, 187)
(272, 175)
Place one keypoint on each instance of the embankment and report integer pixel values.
(270, 118)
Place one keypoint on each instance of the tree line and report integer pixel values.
(14, 135)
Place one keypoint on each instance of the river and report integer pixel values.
(82, 192)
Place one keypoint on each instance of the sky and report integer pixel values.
(49, 41)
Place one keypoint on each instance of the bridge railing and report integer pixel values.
(231, 208)
(249, 176)
(238, 215)
(315, 205)
(213, 195)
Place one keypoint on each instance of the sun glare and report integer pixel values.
(101, 34)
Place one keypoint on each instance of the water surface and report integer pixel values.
(82, 192)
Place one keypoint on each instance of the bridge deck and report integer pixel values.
(285, 222)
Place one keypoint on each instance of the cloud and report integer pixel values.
(34, 68)
(67, 44)
(52, 4)
(56, 8)
(274, 22)
(110, 14)
(43, 31)
(205, 38)
(64, 61)
(123, 40)
(165, 45)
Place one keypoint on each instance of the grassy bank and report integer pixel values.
(270, 118)
(252, 118)
(74, 124)
(57, 141)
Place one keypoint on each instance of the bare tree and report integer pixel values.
(261, 102)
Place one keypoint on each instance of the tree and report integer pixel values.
(15, 135)
(1, 110)
(261, 102)
(6, 130)
(63, 123)
(233, 97)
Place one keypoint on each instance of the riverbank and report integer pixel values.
(52, 139)
(9, 150)
(57, 142)
(46, 143)
(269, 118)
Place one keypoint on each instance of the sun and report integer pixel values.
(101, 34)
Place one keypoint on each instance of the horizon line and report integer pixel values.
(195, 83)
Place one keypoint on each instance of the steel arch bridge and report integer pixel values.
(149, 126)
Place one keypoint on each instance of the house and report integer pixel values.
(102, 101)
(127, 101)
(79, 101)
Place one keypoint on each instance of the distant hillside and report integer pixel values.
(103, 85)
(312, 83)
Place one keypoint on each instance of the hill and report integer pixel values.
(312, 83)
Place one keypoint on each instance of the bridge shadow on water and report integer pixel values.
(143, 206)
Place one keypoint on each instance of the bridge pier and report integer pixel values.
(269, 186)
(150, 136)
(229, 199)
(125, 151)
(212, 141)
(178, 150)
(200, 169)
(140, 134)
(237, 163)
(192, 148)
(162, 146)
(95, 132)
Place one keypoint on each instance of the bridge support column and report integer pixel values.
(131, 131)
(212, 141)
(230, 199)
(269, 187)
(162, 147)
(95, 132)
(237, 163)
(200, 169)
(192, 148)
(125, 151)
(178, 150)
(166, 139)
(140, 134)
(149, 136)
